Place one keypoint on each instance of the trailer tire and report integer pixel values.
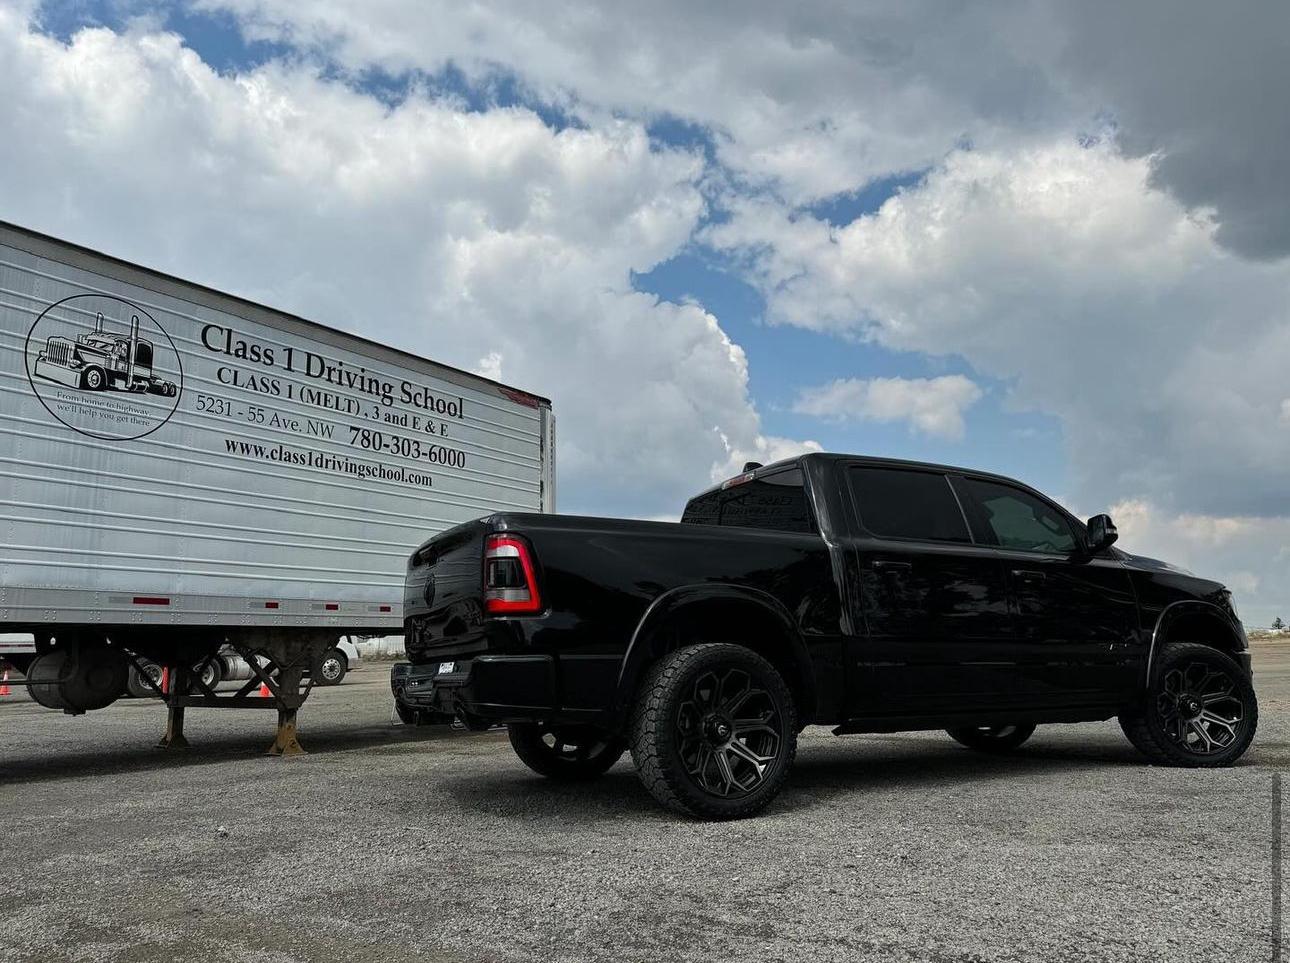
(93, 379)
(332, 668)
(136, 687)
(212, 673)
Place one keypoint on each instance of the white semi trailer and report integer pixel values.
(181, 470)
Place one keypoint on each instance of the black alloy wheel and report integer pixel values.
(992, 738)
(714, 731)
(728, 732)
(1200, 709)
(568, 753)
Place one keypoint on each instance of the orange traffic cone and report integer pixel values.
(264, 690)
(4, 684)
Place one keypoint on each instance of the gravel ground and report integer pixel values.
(390, 843)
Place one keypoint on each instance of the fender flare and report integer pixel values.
(639, 655)
(1175, 610)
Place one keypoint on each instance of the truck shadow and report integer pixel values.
(823, 771)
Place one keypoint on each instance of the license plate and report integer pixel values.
(446, 667)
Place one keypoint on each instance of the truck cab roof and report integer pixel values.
(831, 456)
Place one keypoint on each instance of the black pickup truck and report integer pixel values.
(867, 594)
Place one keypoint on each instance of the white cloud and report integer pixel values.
(1245, 553)
(814, 98)
(490, 366)
(469, 236)
(1094, 296)
(933, 406)
(762, 449)
(820, 96)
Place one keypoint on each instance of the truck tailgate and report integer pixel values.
(443, 603)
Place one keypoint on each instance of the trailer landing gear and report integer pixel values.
(285, 742)
(283, 676)
(174, 737)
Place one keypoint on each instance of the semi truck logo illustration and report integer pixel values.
(104, 367)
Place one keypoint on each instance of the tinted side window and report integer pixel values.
(1011, 518)
(773, 502)
(908, 504)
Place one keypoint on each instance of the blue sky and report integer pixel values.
(1071, 256)
(782, 359)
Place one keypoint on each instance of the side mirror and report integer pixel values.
(1101, 533)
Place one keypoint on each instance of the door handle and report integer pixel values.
(888, 565)
(1028, 575)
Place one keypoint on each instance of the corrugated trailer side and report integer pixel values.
(181, 469)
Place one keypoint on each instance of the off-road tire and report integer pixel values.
(992, 739)
(1146, 725)
(656, 730)
(565, 753)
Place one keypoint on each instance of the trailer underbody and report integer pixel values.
(77, 669)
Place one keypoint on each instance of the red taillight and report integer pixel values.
(510, 579)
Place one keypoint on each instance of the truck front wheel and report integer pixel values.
(714, 731)
(566, 753)
(93, 379)
(1199, 709)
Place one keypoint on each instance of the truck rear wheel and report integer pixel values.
(714, 731)
(566, 753)
(1199, 709)
(992, 738)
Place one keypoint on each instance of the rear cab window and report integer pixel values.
(776, 502)
(907, 503)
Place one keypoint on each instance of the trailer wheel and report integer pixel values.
(333, 668)
(212, 673)
(93, 379)
(136, 686)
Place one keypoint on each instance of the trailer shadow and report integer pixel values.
(51, 762)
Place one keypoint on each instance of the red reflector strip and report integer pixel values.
(270, 605)
(386, 608)
(332, 607)
(151, 600)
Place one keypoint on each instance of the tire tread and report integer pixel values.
(1159, 752)
(648, 724)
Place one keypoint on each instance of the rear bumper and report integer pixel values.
(487, 689)
(496, 688)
